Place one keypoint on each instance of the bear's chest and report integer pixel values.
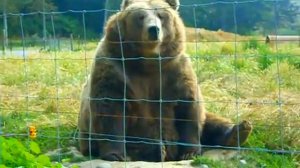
(148, 103)
(156, 88)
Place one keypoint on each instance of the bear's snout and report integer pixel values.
(153, 32)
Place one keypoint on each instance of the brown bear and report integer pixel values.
(142, 100)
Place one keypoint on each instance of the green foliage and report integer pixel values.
(13, 153)
(294, 60)
(239, 63)
(228, 49)
(34, 147)
(266, 56)
(251, 44)
(26, 6)
(265, 60)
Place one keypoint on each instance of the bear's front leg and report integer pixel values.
(108, 128)
(189, 127)
(107, 108)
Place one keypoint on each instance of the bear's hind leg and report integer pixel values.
(220, 131)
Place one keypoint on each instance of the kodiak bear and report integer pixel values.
(142, 100)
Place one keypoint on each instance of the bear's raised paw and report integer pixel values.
(241, 132)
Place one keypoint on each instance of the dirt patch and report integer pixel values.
(199, 34)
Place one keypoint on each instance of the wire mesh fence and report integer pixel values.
(241, 77)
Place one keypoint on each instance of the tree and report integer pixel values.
(33, 23)
(250, 16)
(257, 16)
(93, 20)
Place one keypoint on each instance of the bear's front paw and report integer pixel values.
(189, 155)
(114, 156)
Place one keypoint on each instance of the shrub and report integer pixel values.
(251, 44)
(228, 49)
(13, 153)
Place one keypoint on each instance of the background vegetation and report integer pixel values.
(252, 18)
(44, 90)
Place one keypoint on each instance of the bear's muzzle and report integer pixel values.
(153, 33)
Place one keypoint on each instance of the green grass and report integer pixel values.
(44, 90)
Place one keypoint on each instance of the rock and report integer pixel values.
(71, 152)
(94, 164)
(243, 162)
(139, 164)
(104, 165)
(83, 162)
(220, 154)
(203, 166)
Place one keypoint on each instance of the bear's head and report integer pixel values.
(146, 28)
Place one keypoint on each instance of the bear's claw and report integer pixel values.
(114, 157)
(189, 155)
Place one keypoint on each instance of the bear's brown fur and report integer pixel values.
(143, 90)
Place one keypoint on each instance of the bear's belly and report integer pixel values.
(145, 129)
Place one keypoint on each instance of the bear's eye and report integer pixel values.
(142, 17)
(162, 15)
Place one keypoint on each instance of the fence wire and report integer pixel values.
(59, 113)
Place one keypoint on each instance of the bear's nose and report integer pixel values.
(153, 32)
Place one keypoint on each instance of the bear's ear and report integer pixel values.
(114, 30)
(174, 4)
(125, 3)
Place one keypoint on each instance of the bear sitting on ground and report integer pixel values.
(142, 100)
